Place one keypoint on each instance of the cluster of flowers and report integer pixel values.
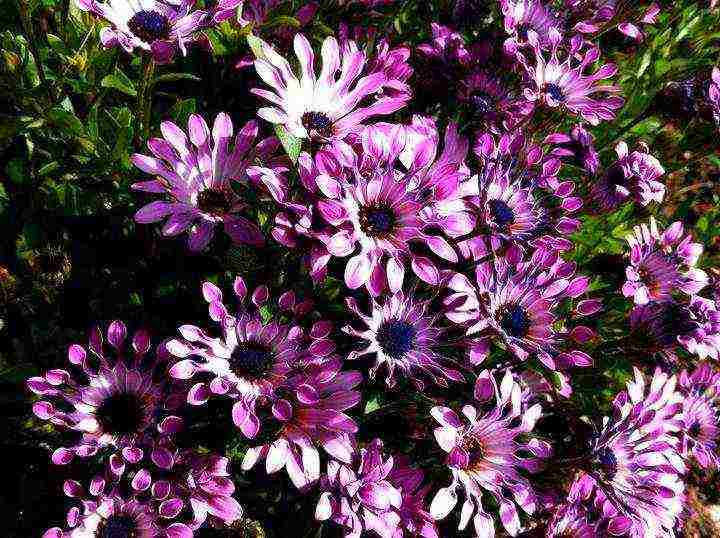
(400, 202)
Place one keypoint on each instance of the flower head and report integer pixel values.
(197, 173)
(563, 83)
(121, 403)
(491, 103)
(523, 16)
(404, 333)
(701, 415)
(487, 452)
(577, 148)
(634, 175)
(159, 27)
(633, 468)
(714, 94)
(661, 264)
(322, 107)
(517, 303)
(517, 200)
(375, 493)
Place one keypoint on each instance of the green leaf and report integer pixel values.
(173, 77)
(256, 46)
(16, 170)
(292, 144)
(48, 168)
(66, 120)
(181, 110)
(57, 44)
(119, 81)
(282, 20)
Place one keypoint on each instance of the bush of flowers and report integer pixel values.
(360, 268)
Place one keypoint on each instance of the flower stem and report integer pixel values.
(145, 96)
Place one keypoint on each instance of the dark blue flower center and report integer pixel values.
(317, 122)
(607, 463)
(501, 213)
(694, 430)
(482, 102)
(214, 202)
(149, 25)
(515, 321)
(251, 360)
(121, 414)
(377, 221)
(616, 176)
(118, 526)
(396, 338)
(555, 91)
(522, 31)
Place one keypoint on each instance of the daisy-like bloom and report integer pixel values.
(563, 83)
(195, 172)
(110, 514)
(661, 264)
(600, 15)
(701, 415)
(634, 175)
(324, 107)
(523, 16)
(375, 493)
(517, 304)
(576, 147)
(517, 199)
(404, 333)
(714, 94)
(633, 468)
(487, 453)
(278, 368)
(571, 520)
(120, 402)
(491, 103)
(158, 27)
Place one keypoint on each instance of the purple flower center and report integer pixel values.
(555, 91)
(251, 360)
(118, 527)
(396, 338)
(214, 202)
(149, 25)
(501, 213)
(515, 321)
(607, 462)
(122, 413)
(377, 221)
(318, 122)
(483, 103)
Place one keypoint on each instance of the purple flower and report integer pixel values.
(113, 514)
(197, 176)
(571, 520)
(523, 16)
(487, 453)
(563, 83)
(119, 403)
(701, 415)
(375, 493)
(491, 103)
(517, 200)
(599, 16)
(577, 148)
(633, 467)
(518, 303)
(404, 333)
(155, 26)
(634, 175)
(322, 107)
(661, 264)
(714, 94)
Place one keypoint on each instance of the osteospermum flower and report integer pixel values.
(322, 107)
(571, 521)
(714, 94)
(404, 333)
(120, 403)
(197, 173)
(595, 16)
(633, 469)
(701, 415)
(491, 103)
(275, 368)
(634, 175)
(155, 26)
(563, 83)
(523, 16)
(517, 200)
(661, 264)
(517, 303)
(487, 452)
(111, 514)
(576, 147)
(377, 493)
